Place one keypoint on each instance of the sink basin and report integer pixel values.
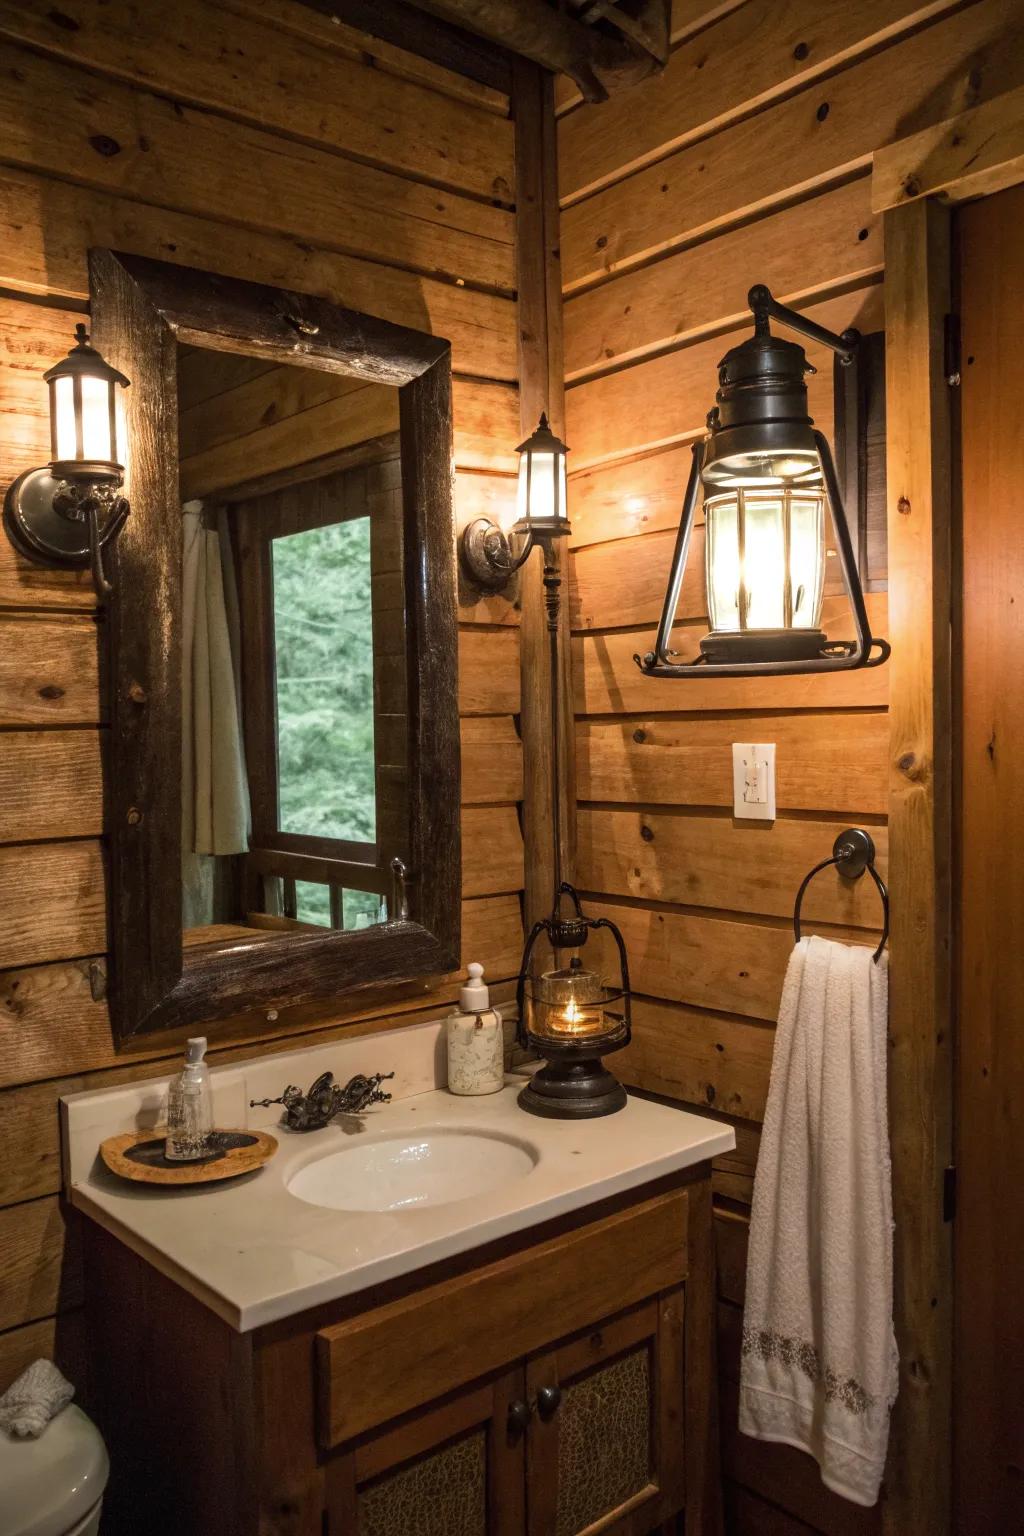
(395, 1173)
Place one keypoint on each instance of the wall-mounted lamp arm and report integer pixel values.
(101, 536)
(764, 307)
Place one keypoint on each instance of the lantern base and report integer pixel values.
(573, 1090)
(759, 645)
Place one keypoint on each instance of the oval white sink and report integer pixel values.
(393, 1173)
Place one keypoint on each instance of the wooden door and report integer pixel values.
(454, 1468)
(989, 1230)
(605, 1443)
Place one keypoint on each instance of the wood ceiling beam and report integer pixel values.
(603, 47)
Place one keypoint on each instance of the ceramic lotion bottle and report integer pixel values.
(476, 1042)
(190, 1107)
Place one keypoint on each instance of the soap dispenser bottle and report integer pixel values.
(476, 1041)
(190, 1107)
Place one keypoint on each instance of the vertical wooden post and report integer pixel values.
(917, 299)
(541, 389)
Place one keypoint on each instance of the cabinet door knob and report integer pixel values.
(518, 1416)
(548, 1399)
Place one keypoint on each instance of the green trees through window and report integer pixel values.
(323, 649)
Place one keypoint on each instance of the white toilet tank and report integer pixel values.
(54, 1486)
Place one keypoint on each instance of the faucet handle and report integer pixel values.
(360, 1092)
(291, 1093)
(315, 1109)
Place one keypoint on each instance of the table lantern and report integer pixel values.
(572, 1017)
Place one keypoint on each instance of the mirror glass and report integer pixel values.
(294, 760)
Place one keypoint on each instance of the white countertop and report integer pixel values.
(255, 1253)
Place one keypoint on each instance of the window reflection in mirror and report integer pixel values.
(294, 676)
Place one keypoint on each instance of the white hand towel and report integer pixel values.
(37, 1396)
(819, 1366)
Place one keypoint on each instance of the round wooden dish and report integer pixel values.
(139, 1156)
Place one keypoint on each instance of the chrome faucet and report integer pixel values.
(313, 1110)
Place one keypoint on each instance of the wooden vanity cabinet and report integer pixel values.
(556, 1384)
(586, 1435)
(454, 1466)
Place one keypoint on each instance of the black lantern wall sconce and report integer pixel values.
(67, 514)
(487, 551)
(568, 1014)
(767, 476)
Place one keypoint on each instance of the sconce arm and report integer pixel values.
(99, 538)
(524, 554)
(765, 306)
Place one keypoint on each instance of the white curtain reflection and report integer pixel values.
(215, 790)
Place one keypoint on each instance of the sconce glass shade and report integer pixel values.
(573, 1006)
(83, 413)
(541, 503)
(765, 571)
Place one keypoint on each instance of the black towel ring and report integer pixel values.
(853, 852)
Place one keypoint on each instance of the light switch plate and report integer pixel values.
(753, 780)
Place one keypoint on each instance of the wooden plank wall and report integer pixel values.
(265, 140)
(266, 421)
(747, 160)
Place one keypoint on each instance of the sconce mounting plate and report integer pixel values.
(35, 527)
(487, 554)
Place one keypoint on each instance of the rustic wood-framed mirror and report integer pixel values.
(282, 650)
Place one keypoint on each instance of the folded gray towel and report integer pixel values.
(37, 1396)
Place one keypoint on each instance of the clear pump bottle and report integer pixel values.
(190, 1107)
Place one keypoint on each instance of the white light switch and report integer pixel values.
(753, 780)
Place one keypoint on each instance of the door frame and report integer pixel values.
(915, 184)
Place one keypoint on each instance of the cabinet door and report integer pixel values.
(454, 1468)
(605, 1443)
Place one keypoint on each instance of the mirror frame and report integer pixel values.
(141, 310)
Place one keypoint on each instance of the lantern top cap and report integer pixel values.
(764, 357)
(543, 440)
(84, 361)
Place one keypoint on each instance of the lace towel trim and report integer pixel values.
(769, 1344)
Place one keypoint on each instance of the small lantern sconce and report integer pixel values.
(572, 1018)
(68, 513)
(766, 476)
(487, 551)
